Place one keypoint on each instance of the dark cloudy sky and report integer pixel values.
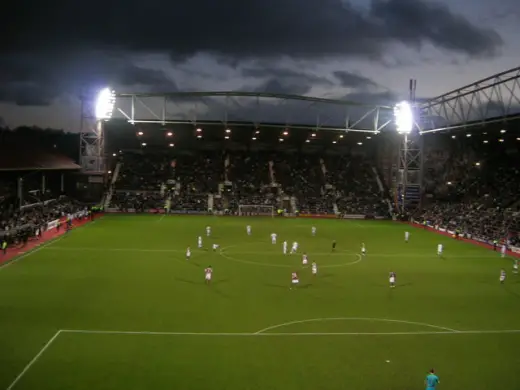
(366, 50)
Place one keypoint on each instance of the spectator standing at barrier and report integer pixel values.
(4, 246)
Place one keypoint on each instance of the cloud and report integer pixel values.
(26, 81)
(253, 28)
(418, 22)
(351, 80)
(281, 86)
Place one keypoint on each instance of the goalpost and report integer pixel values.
(248, 210)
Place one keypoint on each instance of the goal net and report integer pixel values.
(249, 210)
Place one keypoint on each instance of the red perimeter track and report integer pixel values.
(33, 243)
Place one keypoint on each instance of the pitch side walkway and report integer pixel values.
(46, 237)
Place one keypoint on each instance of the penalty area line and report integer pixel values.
(34, 360)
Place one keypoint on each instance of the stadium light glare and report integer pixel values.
(313, 135)
(257, 132)
(254, 138)
(500, 140)
(468, 135)
(226, 137)
(518, 138)
(341, 136)
(171, 145)
(113, 154)
(403, 117)
(169, 134)
(360, 143)
(486, 141)
(105, 102)
(369, 137)
(449, 183)
(334, 142)
(109, 172)
(199, 130)
(280, 139)
(199, 136)
(228, 131)
(308, 140)
(143, 144)
(140, 133)
(285, 133)
(453, 137)
(502, 131)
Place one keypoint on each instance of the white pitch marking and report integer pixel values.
(31, 252)
(443, 328)
(34, 360)
(162, 217)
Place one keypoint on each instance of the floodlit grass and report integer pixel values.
(344, 329)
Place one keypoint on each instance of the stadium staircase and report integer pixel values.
(294, 205)
(110, 192)
(323, 168)
(272, 176)
(210, 201)
(382, 190)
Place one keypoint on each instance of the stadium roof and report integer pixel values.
(26, 160)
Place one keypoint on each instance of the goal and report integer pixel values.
(249, 210)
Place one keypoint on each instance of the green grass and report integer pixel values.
(129, 274)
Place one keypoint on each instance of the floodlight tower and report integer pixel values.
(92, 139)
(409, 166)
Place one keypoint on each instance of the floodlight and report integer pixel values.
(113, 154)
(226, 137)
(109, 172)
(403, 117)
(257, 132)
(228, 131)
(172, 145)
(468, 135)
(502, 131)
(199, 130)
(143, 144)
(334, 142)
(140, 133)
(485, 141)
(285, 133)
(360, 143)
(341, 136)
(518, 138)
(169, 134)
(281, 139)
(254, 138)
(308, 140)
(500, 140)
(453, 137)
(369, 137)
(199, 136)
(313, 135)
(105, 102)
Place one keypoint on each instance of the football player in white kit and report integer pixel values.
(363, 249)
(294, 247)
(392, 279)
(199, 242)
(248, 230)
(314, 269)
(440, 248)
(284, 247)
(502, 276)
(207, 274)
(515, 266)
(273, 238)
(503, 251)
(188, 253)
(215, 247)
(406, 236)
(305, 259)
(313, 230)
(208, 231)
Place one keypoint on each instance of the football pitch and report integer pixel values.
(116, 305)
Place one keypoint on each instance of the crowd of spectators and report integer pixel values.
(291, 181)
(22, 223)
(473, 188)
